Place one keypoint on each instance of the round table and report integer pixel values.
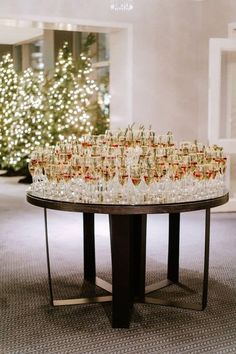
(128, 252)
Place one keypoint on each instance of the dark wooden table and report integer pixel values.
(128, 251)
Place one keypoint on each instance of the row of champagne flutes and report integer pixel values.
(132, 166)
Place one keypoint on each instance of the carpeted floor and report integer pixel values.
(29, 325)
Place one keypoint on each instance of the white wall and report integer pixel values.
(215, 17)
(169, 78)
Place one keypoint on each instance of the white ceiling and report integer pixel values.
(14, 35)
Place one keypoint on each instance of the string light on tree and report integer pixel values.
(36, 111)
(28, 129)
(69, 97)
(8, 105)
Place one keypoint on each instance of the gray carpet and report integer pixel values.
(29, 325)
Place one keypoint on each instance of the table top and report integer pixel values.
(123, 209)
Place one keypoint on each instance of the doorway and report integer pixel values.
(222, 107)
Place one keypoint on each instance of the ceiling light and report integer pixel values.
(122, 5)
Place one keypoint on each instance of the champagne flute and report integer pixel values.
(34, 169)
(136, 193)
(149, 175)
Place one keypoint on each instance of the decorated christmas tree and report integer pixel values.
(68, 98)
(8, 106)
(29, 126)
(99, 106)
(35, 111)
(89, 90)
(103, 106)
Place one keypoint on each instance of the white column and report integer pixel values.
(121, 77)
(48, 50)
(25, 56)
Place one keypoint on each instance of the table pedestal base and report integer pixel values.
(88, 300)
(128, 251)
(89, 267)
(173, 268)
(158, 301)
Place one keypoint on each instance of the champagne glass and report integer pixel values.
(149, 175)
(95, 179)
(33, 166)
(121, 191)
(66, 177)
(162, 140)
(136, 177)
(173, 176)
(170, 139)
(198, 175)
(33, 170)
(123, 175)
(150, 137)
(108, 172)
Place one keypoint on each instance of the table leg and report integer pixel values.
(89, 220)
(89, 247)
(138, 261)
(173, 250)
(206, 259)
(48, 258)
(173, 268)
(120, 233)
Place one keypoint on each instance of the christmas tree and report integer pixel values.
(29, 126)
(88, 95)
(99, 106)
(8, 106)
(35, 111)
(103, 106)
(68, 99)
